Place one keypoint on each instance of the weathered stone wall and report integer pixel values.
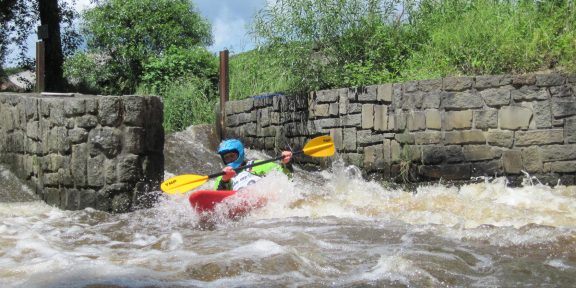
(450, 128)
(84, 151)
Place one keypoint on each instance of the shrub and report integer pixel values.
(95, 74)
(177, 65)
(334, 43)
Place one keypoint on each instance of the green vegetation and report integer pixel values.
(14, 70)
(122, 35)
(188, 103)
(187, 80)
(149, 47)
(330, 43)
(177, 66)
(158, 47)
(321, 44)
(256, 72)
(493, 37)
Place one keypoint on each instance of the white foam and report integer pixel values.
(42, 246)
(559, 264)
(261, 248)
(398, 270)
(471, 205)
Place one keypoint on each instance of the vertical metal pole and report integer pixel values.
(40, 66)
(224, 88)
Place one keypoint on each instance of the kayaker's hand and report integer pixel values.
(229, 173)
(287, 156)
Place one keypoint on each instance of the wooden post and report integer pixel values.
(224, 87)
(40, 66)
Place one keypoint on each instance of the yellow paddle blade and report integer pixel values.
(183, 183)
(321, 146)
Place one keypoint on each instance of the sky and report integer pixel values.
(229, 20)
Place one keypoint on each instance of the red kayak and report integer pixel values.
(233, 204)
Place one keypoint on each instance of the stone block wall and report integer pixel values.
(104, 152)
(269, 122)
(451, 128)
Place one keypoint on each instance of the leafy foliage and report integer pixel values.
(343, 43)
(126, 33)
(178, 65)
(95, 74)
(187, 79)
(330, 43)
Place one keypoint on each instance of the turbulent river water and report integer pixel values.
(321, 229)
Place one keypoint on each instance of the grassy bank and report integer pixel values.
(493, 37)
(257, 72)
(189, 103)
(431, 40)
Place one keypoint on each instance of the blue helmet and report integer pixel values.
(229, 146)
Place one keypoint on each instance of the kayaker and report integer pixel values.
(232, 153)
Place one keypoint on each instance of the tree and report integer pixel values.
(14, 23)
(333, 43)
(124, 34)
(18, 20)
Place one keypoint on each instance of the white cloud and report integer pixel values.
(229, 19)
(229, 35)
(81, 5)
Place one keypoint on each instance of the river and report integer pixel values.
(320, 229)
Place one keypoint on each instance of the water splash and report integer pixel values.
(12, 189)
(342, 193)
(329, 228)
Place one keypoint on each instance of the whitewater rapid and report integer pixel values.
(319, 229)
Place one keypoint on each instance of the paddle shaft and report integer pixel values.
(254, 164)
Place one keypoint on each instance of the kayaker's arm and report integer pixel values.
(286, 163)
(225, 183)
(288, 169)
(222, 185)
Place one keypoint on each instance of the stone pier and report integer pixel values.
(79, 151)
